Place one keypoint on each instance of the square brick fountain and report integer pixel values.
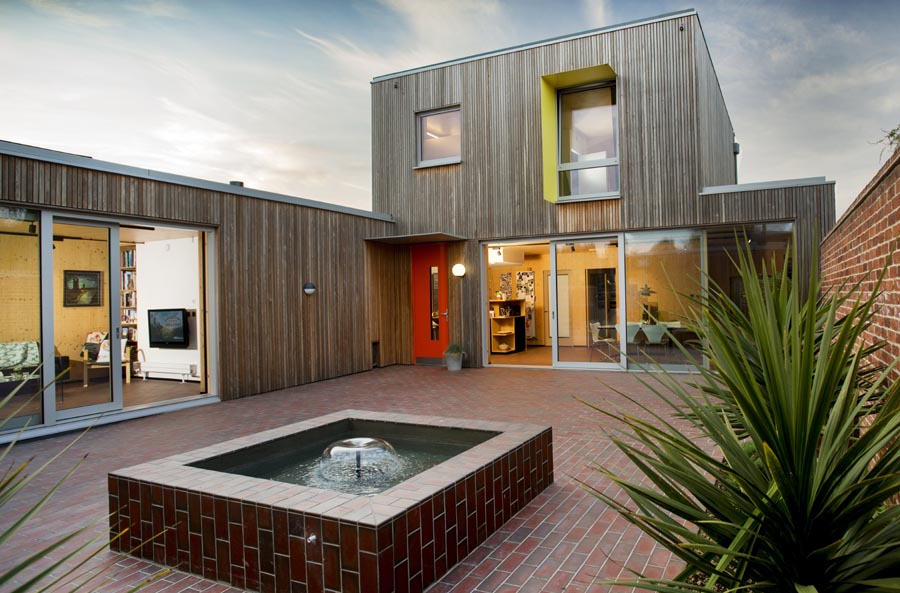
(204, 512)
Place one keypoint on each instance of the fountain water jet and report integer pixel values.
(371, 461)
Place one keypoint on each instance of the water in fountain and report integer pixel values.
(366, 464)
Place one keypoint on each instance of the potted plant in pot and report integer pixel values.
(454, 356)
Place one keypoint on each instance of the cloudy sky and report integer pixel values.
(276, 93)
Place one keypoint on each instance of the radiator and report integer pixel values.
(179, 369)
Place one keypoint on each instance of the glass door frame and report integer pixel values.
(48, 336)
(620, 325)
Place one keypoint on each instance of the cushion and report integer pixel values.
(95, 337)
(19, 355)
(103, 353)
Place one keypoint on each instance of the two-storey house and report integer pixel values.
(582, 184)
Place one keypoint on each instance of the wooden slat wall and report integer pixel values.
(496, 192)
(811, 208)
(390, 302)
(716, 134)
(271, 335)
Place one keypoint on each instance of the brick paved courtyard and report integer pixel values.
(564, 540)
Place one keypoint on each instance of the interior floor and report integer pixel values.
(72, 394)
(543, 355)
(531, 356)
(136, 393)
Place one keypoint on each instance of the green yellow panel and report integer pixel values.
(549, 133)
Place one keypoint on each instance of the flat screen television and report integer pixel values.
(168, 328)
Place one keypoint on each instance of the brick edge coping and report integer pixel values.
(367, 510)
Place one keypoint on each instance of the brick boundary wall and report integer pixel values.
(857, 249)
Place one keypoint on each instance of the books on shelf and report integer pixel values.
(127, 258)
(128, 279)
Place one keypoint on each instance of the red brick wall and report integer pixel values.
(857, 249)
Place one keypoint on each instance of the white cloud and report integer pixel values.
(157, 8)
(596, 13)
(71, 12)
(807, 92)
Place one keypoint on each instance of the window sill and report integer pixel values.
(589, 198)
(438, 163)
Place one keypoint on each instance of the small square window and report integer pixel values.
(439, 137)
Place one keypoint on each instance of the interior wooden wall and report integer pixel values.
(73, 324)
(20, 284)
(271, 335)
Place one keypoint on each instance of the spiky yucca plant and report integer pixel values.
(762, 479)
(70, 570)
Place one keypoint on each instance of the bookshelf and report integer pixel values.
(507, 326)
(128, 293)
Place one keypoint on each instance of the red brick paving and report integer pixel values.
(564, 540)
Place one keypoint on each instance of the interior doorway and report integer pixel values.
(555, 303)
(519, 327)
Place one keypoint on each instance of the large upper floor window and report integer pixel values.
(439, 137)
(588, 161)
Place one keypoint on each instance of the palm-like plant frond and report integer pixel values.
(761, 477)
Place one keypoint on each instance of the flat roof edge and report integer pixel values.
(533, 44)
(84, 162)
(761, 185)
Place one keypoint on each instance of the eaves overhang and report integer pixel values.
(435, 237)
(763, 185)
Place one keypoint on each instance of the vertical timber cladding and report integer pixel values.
(497, 189)
(271, 335)
(716, 135)
(390, 302)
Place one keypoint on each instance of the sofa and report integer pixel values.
(19, 357)
(18, 360)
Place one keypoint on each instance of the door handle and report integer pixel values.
(446, 315)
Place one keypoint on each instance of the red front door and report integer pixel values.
(429, 302)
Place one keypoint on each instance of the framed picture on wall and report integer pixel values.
(82, 288)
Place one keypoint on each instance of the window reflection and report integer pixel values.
(20, 314)
(663, 275)
(439, 136)
(767, 243)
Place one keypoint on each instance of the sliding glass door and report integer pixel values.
(20, 316)
(587, 303)
(86, 332)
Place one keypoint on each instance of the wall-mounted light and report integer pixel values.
(309, 288)
(458, 270)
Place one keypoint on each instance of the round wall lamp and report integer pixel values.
(458, 270)
(309, 288)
